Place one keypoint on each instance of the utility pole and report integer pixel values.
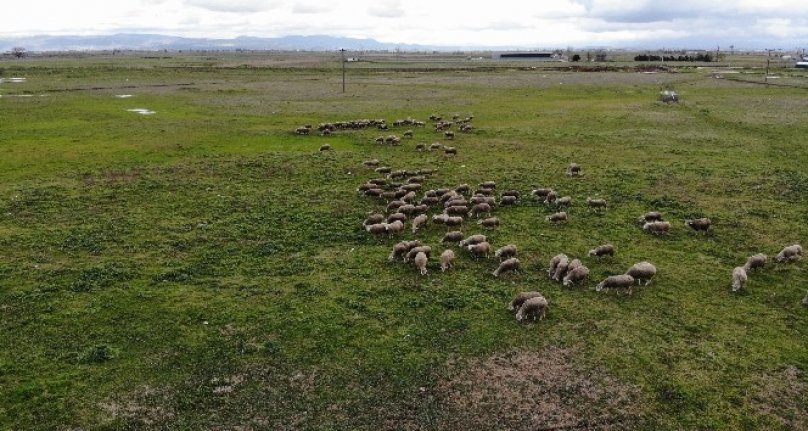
(767, 71)
(342, 55)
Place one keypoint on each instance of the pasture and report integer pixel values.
(203, 267)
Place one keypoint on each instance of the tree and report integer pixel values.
(18, 52)
(576, 57)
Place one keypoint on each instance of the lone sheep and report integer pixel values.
(642, 271)
(699, 224)
(602, 250)
(446, 259)
(511, 264)
(596, 203)
(790, 253)
(755, 262)
(533, 307)
(573, 170)
(738, 278)
(622, 281)
(557, 217)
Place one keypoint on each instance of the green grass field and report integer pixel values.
(205, 268)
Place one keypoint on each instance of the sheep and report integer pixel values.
(520, 299)
(550, 197)
(642, 271)
(411, 187)
(554, 263)
(541, 192)
(398, 216)
(754, 262)
(408, 196)
(377, 228)
(394, 206)
(511, 264)
(564, 201)
(805, 300)
(447, 195)
(506, 252)
(596, 203)
(474, 239)
(371, 162)
(427, 250)
(536, 306)
(575, 275)
(378, 181)
(453, 221)
(325, 132)
(408, 134)
(602, 250)
(418, 179)
(490, 222)
(561, 269)
(738, 278)
(622, 281)
(453, 236)
(420, 262)
(790, 253)
(512, 192)
(479, 250)
(463, 188)
(699, 224)
(457, 210)
(439, 218)
(373, 219)
(450, 150)
(421, 209)
(480, 208)
(435, 146)
(488, 185)
(448, 134)
(375, 192)
(419, 222)
(657, 227)
(402, 248)
(508, 200)
(649, 217)
(379, 140)
(395, 227)
(430, 200)
(456, 201)
(420, 147)
(483, 191)
(446, 259)
(383, 169)
(573, 170)
(302, 130)
(557, 217)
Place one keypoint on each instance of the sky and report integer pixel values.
(541, 23)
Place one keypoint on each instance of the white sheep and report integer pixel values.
(554, 263)
(506, 252)
(480, 208)
(447, 259)
(377, 228)
(560, 267)
(520, 299)
(395, 227)
(699, 224)
(427, 250)
(596, 203)
(402, 248)
(622, 281)
(373, 219)
(755, 262)
(564, 201)
(453, 236)
(791, 253)
(480, 250)
(420, 262)
(419, 222)
(573, 170)
(602, 250)
(642, 271)
(739, 278)
(511, 264)
(576, 275)
(490, 222)
(533, 307)
(473, 239)
(557, 217)
(650, 216)
(657, 227)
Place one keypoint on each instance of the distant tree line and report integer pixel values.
(701, 57)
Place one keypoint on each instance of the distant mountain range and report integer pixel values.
(159, 42)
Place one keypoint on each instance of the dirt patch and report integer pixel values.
(144, 406)
(781, 399)
(543, 390)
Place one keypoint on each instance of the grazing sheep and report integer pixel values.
(550, 197)
(419, 222)
(395, 227)
(456, 201)
(512, 192)
(533, 307)
(649, 217)
(790, 253)
(520, 299)
(564, 201)
(511, 264)
(657, 227)
(480, 208)
(554, 263)
(373, 219)
(371, 162)
(430, 200)
(420, 147)
(453, 221)
(421, 209)
(378, 181)
(642, 271)
(398, 216)
(482, 191)
(479, 250)
(446, 259)
(557, 217)
(596, 203)
(302, 130)
(488, 185)
(508, 200)
(377, 229)
(448, 134)
(408, 134)
(463, 188)
(754, 262)
(379, 140)
(602, 250)
(411, 187)
(573, 170)
(435, 146)
(447, 195)
(699, 224)
(474, 239)
(384, 169)
(622, 281)
(394, 206)
(506, 252)
(325, 132)
(402, 248)
(457, 210)
(738, 278)
(575, 275)
(420, 262)
(541, 192)
(490, 222)
(375, 192)
(439, 218)
(450, 150)
(453, 236)
(417, 179)
(427, 250)
(408, 197)
(561, 269)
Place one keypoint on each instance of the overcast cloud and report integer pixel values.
(637, 23)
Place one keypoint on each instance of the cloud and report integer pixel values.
(234, 6)
(387, 9)
(310, 8)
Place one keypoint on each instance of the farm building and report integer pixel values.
(525, 55)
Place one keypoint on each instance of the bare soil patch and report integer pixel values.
(782, 399)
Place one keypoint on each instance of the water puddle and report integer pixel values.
(142, 111)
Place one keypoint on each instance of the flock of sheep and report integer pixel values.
(398, 189)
